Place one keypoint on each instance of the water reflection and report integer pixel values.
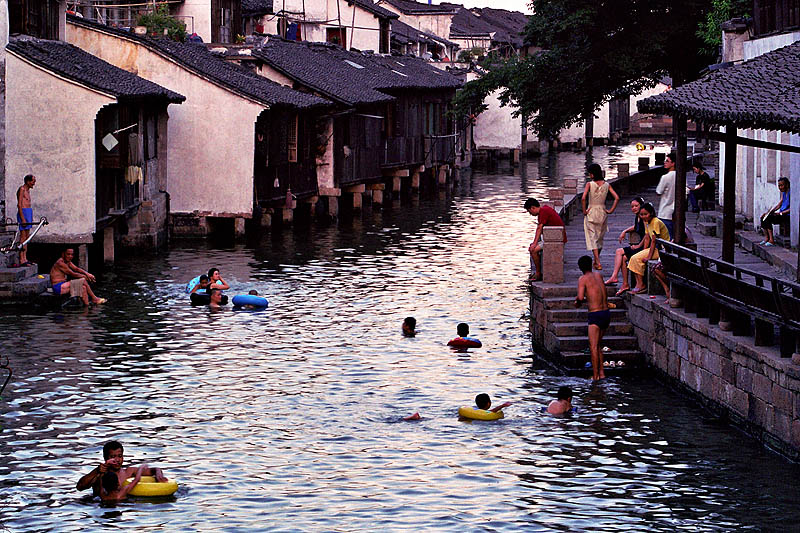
(288, 419)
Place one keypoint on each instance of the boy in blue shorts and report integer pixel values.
(592, 289)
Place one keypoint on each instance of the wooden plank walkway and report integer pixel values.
(559, 330)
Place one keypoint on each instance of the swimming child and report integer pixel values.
(464, 340)
(110, 489)
(409, 326)
(482, 401)
(202, 284)
(563, 402)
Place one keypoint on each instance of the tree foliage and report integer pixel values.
(709, 28)
(159, 22)
(592, 50)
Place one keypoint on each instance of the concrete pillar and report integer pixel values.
(376, 189)
(333, 206)
(644, 163)
(553, 254)
(266, 217)
(556, 197)
(108, 245)
(397, 183)
(571, 185)
(442, 180)
(83, 256)
(312, 205)
(415, 181)
(356, 191)
(238, 227)
(623, 169)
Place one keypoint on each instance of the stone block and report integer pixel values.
(757, 411)
(356, 188)
(781, 398)
(740, 401)
(623, 169)
(705, 383)
(727, 370)
(795, 433)
(782, 426)
(555, 194)
(674, 366)
(330, 191)
(375, 186)
(712, 362)
(689, 374)
(762, 388)
(571, 184)
(744, 379)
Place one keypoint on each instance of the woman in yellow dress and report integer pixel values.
(595, 223)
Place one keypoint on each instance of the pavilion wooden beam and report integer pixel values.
(729, 196)
(744, 141)
(679, 215)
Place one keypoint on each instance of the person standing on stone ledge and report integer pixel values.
(595, 223)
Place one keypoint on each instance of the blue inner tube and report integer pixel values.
(201, 298)
(194, 281)
(259, 302)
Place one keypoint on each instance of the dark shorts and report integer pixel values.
(601, 319)
(57, 286)
(27, 212)
(774, 219)
(630, 251)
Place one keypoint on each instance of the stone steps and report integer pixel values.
(17, 274)
(563, 303)
(575, 343)
(580, 315)
(572, 329)
(707, 228)
(27, 287)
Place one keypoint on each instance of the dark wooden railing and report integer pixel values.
(401, 151)
(439, 149)
(743, 295)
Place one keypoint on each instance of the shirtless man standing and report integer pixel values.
(64, 273)
(25, 215)
(592, 289)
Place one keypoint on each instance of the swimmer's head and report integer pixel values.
(110, 482)
(215, 295)
(483, 401)
(110, 447)
(462, 329)
(203, 281)
(564, 393)
(409, 325)
(253, 292)
(213, 274)
(585, 264)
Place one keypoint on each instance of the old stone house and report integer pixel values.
(93, 134)
(391, 119)
(407, 40)
(216, 137)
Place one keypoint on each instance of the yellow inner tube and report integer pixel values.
(148, 486)
(639, 146)
(479, 414)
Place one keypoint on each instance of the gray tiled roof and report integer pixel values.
(197, 58)
(511, 23)
(763, 92)
(348, 77)
(251, 8)
(378, 11)
(404, 33)
(74, 64)
(410, 7)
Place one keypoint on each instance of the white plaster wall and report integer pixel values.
(325, 161)
(496, 127)
(756, 187)
(436, 24)
(3, 26)
(197, 13)
(466, 44)
(61, 155)
(211, 135)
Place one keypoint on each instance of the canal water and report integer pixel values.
(289, 419)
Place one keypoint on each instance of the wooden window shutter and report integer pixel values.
(291, 138)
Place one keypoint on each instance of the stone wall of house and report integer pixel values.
(196, 14)
(211, 135)
(750, 385)
(61, 153)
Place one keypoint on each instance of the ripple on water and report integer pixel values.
(289, 419)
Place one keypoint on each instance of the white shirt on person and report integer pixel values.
(666, 189)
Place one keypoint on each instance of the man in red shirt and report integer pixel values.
(547, 217)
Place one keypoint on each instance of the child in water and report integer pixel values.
(409, 326)
(482, 401)
(111, 489)
(463, 337)
(563, 402)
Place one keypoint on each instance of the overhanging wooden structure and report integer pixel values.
(762, 93)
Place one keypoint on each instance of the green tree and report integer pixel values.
(709, 28)
(159, 20)
(592, 50)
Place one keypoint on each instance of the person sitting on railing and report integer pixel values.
(624, 254)
(703, 191)
(777, 215)
(656, 230)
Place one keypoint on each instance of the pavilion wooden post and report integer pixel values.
(679, 215)
(729, 197)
